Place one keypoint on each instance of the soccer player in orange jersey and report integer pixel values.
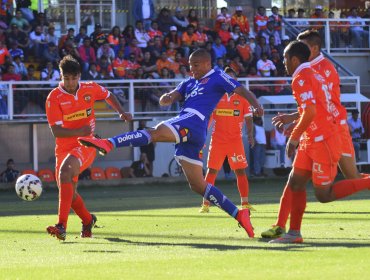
(347, 162)
(228, 118)
(314, 140)
(70, 114)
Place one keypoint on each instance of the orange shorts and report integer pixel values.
(346, 139)
(84, 155)
(321, 158)
(234, 151)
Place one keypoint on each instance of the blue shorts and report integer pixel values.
(190, 132)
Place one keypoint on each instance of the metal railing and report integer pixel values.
(140, 97)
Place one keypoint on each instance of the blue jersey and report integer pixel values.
(201, 96)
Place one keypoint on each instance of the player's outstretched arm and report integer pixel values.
(281, 119)
(114, 103)
(61, 132)
(247, 94)
(169, 98)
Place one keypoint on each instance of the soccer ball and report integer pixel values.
(28, 187)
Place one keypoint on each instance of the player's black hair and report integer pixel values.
(312, 37)
(69, 65)
(299, 50)
(201, 53)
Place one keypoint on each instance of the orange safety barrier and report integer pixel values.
(112, 173)
(97, 173)
(46, 175)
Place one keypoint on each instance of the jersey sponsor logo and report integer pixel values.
(236, 102)
(316, 167)
(196, 90)
(327, 73)
(204, 81)
(79, 115)
(65, 103)
(238, 158)
(214, 200)
(301, 83)
(306, 95)
(184, 134)
(237, 113)
(319, 78)
(224, 112)
(129, 137)
(87, 98)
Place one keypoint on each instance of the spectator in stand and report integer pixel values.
(279, 64)
(10, 74)
(241, 20)
(319, 25)
(21, 22)
(236, 32)
(148, 64)
(82, 34)
(344, 33)
(231, 50)
(131, 63)
(278, 142)
(219, 48)
(262, 47)
(104, 68)
(181, 60)
(107, 51)
(51, 54)
(223, 17)
(98, 37)
(7, 62)
(180, 21)
(274, 47)
(87, 54)
(15, 51)
(129, 33)
(140, 168)
(162, 87)
(172, 36)
(265, 66)
(114, 36)
(24, 7)
(50, 35)
(220, 64)
(121, 46)
(284, 42)
(302, 25)
(119, 66)
(144, 10)
(260, 19)
(70, 48)
(141, 35)
(133, 48)
(183, 73)
(244, 51)
(92, 74)
(49, 73)
(366, 120)
(19, 67)
(187, 39)
(3, 34)
(209, 48)
(367, 16)
(202, 35)
(238, 67)
(358, 34)
(155, 47)
(259, 149)
(37, 42)
(69, 36)
(154, 31)
(41, 21)
(10, 174)
(270, 31)
(30, 76)
(357, 130)
(193, 18)
(334, 31)
(277, 19)
(165, 21)
(252, 42)
(224, 34)
(171, 51)
(7, 10)
(164, 62)
(291, 15)
(15, 35)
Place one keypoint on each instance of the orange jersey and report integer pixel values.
(73, 111)
(228, 117)
(326, 69)
(310, 88)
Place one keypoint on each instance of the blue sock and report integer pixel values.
(215, 196)
(132, 138)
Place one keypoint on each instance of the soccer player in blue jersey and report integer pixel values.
(200, 95)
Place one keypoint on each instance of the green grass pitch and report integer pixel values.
(155, 232)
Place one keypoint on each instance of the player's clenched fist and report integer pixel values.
(165, 99)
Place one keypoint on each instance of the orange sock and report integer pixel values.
(80, 209)
(285, 207)
(298, 206)
(211, 178)
(243, 185)
(347, 187)
(65, 202)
